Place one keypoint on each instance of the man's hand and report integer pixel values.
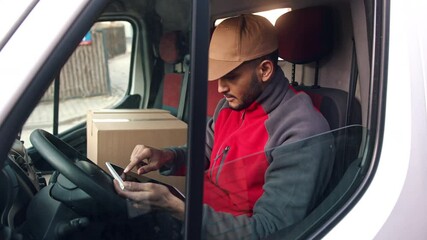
(152, 196)
(147, 159)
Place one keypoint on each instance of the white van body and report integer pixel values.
(391, 201)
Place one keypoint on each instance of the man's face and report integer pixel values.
(241, 86)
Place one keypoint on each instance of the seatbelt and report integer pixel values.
(294, 83)
(184, 87)
(316, 76)
(354, 73)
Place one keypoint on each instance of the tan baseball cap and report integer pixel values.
(239, 39)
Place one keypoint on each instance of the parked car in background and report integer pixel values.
(362, 62)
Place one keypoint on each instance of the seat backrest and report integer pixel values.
(305, 36)
(172, 83)
(171, 53)
(332, 103)
(213, 97)
(19, 182)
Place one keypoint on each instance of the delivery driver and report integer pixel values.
(248, 190)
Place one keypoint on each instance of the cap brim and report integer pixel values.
(218, 68)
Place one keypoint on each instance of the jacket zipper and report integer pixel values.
(218, 156)
(223, 155)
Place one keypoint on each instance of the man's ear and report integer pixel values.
(266, 70)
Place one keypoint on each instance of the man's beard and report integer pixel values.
(254, 90)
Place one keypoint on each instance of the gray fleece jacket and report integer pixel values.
(268, 165)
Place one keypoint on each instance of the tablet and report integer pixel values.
(118, 174)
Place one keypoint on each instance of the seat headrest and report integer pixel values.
(170, 47)
(305, 35)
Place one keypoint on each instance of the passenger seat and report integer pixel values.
(172, 53)
(306, 36)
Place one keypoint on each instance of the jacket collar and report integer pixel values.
(273, 94)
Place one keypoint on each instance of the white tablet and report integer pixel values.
(117, 173)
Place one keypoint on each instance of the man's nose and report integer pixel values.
(222, 86)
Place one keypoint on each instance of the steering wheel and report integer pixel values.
(80, 171)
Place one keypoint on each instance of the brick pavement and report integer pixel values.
(73, 111)
(70, 110)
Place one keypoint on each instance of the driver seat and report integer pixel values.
(19, 184)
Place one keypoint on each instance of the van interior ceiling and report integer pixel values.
(350, 29)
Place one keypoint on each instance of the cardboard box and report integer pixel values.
(119, 115)
(124, 115)
(112, 136)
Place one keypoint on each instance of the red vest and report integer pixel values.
(234, 179)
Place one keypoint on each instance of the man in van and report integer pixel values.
(249, 189)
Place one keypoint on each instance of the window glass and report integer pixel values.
(300, 175)
(250, 192)
(95, 76)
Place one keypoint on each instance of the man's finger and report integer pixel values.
(138, 157)
(137, 186)
(133, 163)
(117, 187)
(137, 192)
(147, 168)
